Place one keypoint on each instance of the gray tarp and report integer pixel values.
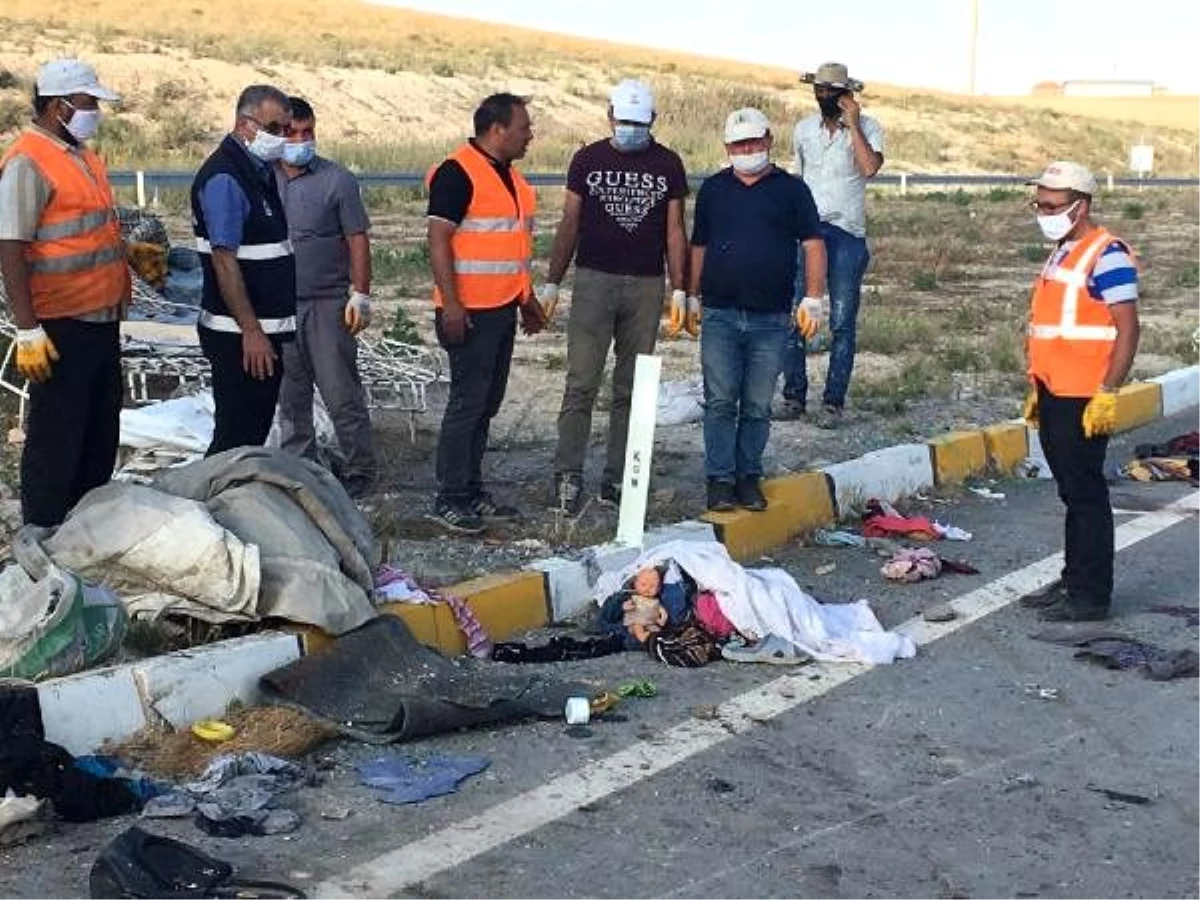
(244, 535)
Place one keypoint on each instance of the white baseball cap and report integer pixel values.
(745, 125)
(63, 77)
(632, 101)
(1063, 175)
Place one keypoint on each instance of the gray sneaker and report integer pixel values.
(568, 493)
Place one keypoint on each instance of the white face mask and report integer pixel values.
(750, 163)
(267, 147)
(83, 124)
(1059, 225)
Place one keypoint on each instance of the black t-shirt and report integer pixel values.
(750, 235)
(450, 189)
(623, 221)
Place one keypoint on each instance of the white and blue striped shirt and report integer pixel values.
(1114, 277)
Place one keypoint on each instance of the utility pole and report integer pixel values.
(974, 45)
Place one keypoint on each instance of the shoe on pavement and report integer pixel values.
(456, 519)
(722, 495)
(748, 490)
(489, 510)
(789, 410)
(1047, 596)
(771, 649)
(610, 493)
(829, 418)
(568, 493)
(1066, 611)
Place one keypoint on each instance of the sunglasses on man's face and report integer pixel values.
(275, 128)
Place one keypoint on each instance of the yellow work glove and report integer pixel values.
(809, 313)
(358, 312)
(1030, 412)
(1100, 415)
(676, 313)
(35, 352)
(547, 296)
(691, 322)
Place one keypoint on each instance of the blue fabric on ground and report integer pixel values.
(111, 767)
(411, 780)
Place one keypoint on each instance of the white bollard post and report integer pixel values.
(1110, 182)
(141, 189)
(903, 184)
(639, 447)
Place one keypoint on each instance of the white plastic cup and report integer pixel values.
(578, 710)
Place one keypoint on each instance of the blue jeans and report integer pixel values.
(848, 257)
(741, 354)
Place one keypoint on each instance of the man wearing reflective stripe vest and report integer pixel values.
(480, 248)
(1083, 334)
(248, 303)
(63, 263)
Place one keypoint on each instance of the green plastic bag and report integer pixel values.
(57, 625)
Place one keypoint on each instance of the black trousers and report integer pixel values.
(478, 377)
(1077, 463)
(244, 407)
(73, 423)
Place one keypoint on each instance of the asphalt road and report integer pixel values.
(953, 774)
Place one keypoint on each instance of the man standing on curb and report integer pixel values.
(65, 276)
(480, 249)
(1083, 334)
(750, 220)
(248, 301)
(328, 226)
(622, 214)
(837, 150)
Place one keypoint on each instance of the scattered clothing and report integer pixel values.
(20, 818)
(410, 780)
(881, 519)
(687, 646)
(912, 565)
(823, 537)
(234, 797)
(30, 766)
(393, 584)
(558, 649)
(1163, 468)
(1118, 651)
(951, 532)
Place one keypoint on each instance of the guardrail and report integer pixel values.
(175, 178)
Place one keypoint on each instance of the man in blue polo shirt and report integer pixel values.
(749, 220)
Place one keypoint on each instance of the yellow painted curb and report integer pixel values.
(1138, 404)
(505, 603)
(1007, 446)
(795, 503)
(958, 455)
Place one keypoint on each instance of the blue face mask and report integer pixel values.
(299, 154)
(631, 137)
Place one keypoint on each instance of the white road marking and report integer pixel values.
(461, 842)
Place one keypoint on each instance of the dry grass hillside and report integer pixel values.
(395, 88)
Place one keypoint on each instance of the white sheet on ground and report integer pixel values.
(768, 601)
(184, 423)
(680, 402)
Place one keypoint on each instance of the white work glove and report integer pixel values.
(676, 313)
(809, 314)
(692, 322)
(358, 312)
(35, 352)
(547, 296)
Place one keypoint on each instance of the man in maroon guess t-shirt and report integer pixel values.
(622, 216)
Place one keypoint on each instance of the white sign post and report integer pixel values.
(1141, 160)
(639, 447)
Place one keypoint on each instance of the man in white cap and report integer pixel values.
(752, 221)
(65, 276)
(1083, 334)
(622, 216)
(837, 151)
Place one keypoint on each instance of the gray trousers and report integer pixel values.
(618, 310)
(324, 355)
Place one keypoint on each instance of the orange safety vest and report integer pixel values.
(1071, 334)
(77, 258)
(492, 246)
